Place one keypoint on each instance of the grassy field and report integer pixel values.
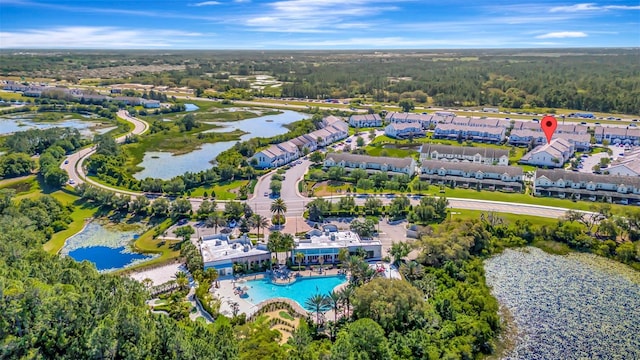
(223, 191)
(81, 213)
(508, 217)
(147, 244)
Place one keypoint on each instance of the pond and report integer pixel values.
(22, 122)
(106, 248)
(164, 165)
(191, 107)
(567, 307)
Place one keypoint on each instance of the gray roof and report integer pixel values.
(367, 117)
(579, 177)
(473, 167)
(397, 162)
(464, 150)
(469, 128)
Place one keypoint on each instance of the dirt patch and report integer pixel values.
(286, 327)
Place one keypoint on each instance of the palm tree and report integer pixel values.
(274, 243)
(287, 243)
(334, 300)
(317, 304)
(299, 258)
(346, 294)
(181, 279)
(278, 208)
(214, 220)
(259, 221)
(211, 274)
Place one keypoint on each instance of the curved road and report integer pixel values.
(294, 200)
(73, 163)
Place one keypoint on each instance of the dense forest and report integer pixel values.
(606, 80)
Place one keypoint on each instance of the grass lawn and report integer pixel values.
(223, 191)
(147, 244)
(552, 247)
(24, 186)
(508, 217)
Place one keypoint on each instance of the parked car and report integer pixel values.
(71, 181)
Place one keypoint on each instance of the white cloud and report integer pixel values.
(592, 7)
(207, 3)
(100, 37)
(562, 35)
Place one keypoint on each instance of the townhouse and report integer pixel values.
(561, 129)
(581, 142)
(626, 165)
(425, 120)
(469, 132)
(554, 154)
(616, 135)
(285, 152)
(473, 175)
(369, 120)
(371, 163)
(478, 155)
(478, 122)
(404, 130)
(594, 187)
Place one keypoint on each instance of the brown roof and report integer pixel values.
(472, 167)
(464, 150)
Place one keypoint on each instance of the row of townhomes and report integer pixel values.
(369, 120)
(553, 155)
(473, 175)
(78, 94)
(629, 136)
(371, 163)
(469, 132)
(425, 120)
(478, 155)
(221, 252)
(404, 130)
(283, 153)
(577, 185)
(628, 165)
(524, 137)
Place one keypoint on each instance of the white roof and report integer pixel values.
(339, 239)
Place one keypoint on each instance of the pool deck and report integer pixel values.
(227, 295)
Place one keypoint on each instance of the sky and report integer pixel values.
(317, 24)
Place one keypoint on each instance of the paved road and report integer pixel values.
(289, 192)
(73, 163)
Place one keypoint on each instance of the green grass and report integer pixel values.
(81, 212)
(552, 247)
(222, 190)
(508, 217)
(146, 243)
(285, 315)
(5, 95)
(23, 186)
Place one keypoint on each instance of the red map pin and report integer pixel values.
(548, 125)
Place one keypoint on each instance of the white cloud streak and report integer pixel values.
(207, 3)
(592, 7)
(101, 37)
(562, 35)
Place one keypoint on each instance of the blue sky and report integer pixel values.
(317, 24)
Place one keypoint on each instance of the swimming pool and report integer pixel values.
(299, 290)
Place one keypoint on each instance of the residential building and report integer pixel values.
(404, 130)
(221, 253)
(372, 163)
(327, 243)
(150, 104)
(478, 122)
(129, 100)
(369, 120)
(554, 154)
(467, 132)
(283, 153)
(615, 135)
(478, 155)
(578, 185)
(560, 129)
(581, 142)
(425, 120)
(626, 165)
(472, 175)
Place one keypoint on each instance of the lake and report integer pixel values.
(164, 165)
(191, 107)
(22, 122)
(108, 249)
(577, 306)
